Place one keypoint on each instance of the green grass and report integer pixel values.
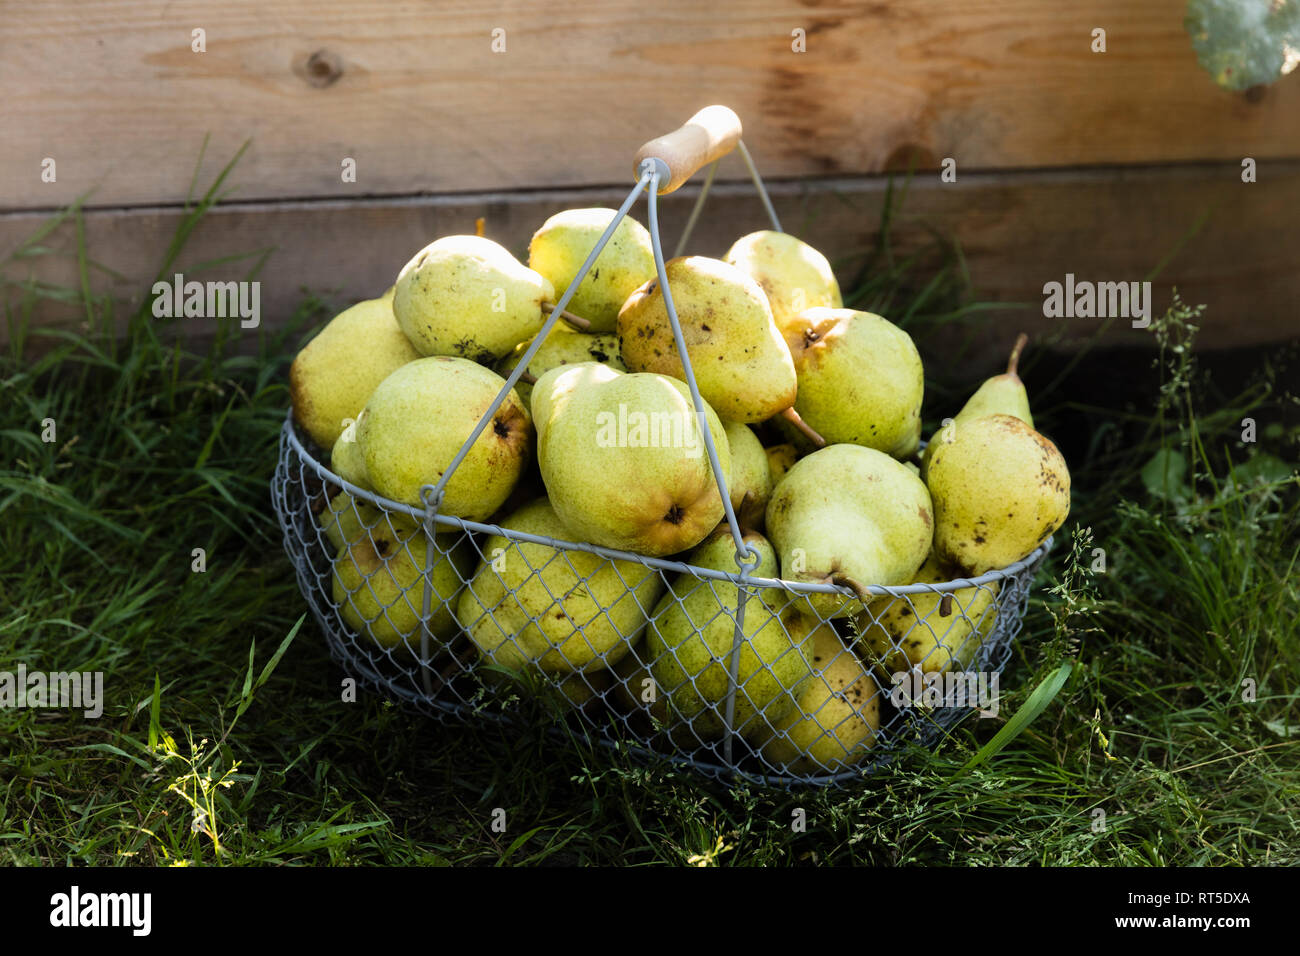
(225, 738)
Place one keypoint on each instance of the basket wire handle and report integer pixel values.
(704, 193)
(669, 160)
(747, 558)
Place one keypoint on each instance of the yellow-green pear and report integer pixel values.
(1000, 395)
(751, 479)
(624, 461)
(346, 518)
(562, 245)
(780, 458)
(852, 516)
(379, 584)
(346, 459)
(533, 605)
(860, 379)
(469, 297)
(837, 715)
(417, 420)
(930, 631)
(690, 637)
(335, 373)
(741, 363)
(563, 346)
(793, 274)
(999, 489)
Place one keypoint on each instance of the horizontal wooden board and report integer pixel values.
(1016, 231)
(413, 92)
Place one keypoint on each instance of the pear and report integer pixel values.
(741, 363)
(467, 296)
(562, 347)
(930, 631)
(793, 274)
(563, 611)
(853, 516)
(346, 459)
(624, 461)
(347, 515)
(348, 518)
(751, 482)
(689, 643)
(335, 372)
(860, 379)
(562, 245)
(999, 489)
(780, 458)
(379, 584)
(1000, 395)
(417, 420)
(836, 716)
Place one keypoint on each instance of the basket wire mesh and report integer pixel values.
(735, 675)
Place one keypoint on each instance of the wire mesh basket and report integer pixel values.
(739, 676)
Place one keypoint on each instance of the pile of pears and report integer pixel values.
(813, 412)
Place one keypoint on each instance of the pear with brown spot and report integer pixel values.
(379, 583)
(837, 715)
(563, 346)
(467, 296)
(999, 489)
(933, 630)
(741, 363)
(1003, 394)
(533, 606)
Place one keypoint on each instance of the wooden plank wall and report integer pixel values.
(1068, 160)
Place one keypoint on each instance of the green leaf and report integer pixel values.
(155, 706)
(1165, 476)
(1264, 468)
(250, 686)
(1245, 43)
(1043, 695)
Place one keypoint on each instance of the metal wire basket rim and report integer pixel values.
(680, 567)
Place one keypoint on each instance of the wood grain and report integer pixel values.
(1017, 232)
(414, 93)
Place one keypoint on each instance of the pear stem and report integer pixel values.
(528, 379)
(791, 416)
(577, 321)
(858, 588)
(1014, 362)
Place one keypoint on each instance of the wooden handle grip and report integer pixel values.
(708, 135)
